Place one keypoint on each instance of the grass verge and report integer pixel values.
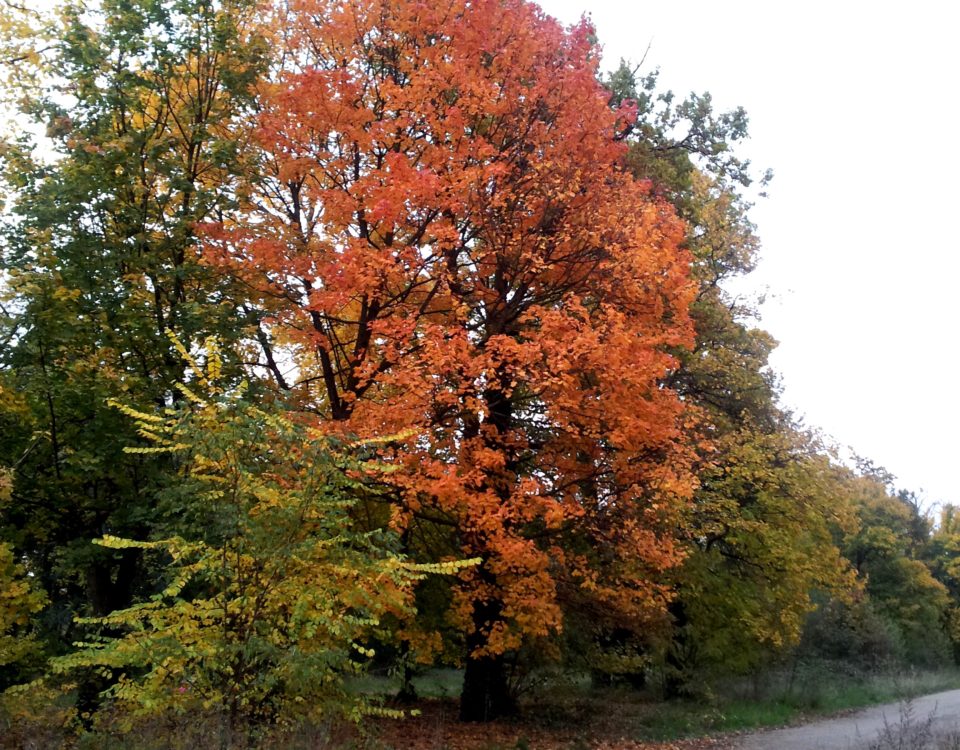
(787, 698)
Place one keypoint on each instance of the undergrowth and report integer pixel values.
(772, 699)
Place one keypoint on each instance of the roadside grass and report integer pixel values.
(785, 698)
(913, 732)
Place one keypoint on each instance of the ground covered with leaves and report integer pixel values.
(437, 728)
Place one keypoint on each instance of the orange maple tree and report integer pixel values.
(449, 244)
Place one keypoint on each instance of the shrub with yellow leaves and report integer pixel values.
(272, 593)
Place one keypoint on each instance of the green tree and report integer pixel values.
(942, 555)
(761, 533)
(98, 259)
(889, 552)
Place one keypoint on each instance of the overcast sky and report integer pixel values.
(854, 105)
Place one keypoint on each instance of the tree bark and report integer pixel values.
(486, 694)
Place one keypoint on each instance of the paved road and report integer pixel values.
(859, 729)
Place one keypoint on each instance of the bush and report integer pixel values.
(271, 590)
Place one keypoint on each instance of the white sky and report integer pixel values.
(855, 105)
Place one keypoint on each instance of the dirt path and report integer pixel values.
(857, 730)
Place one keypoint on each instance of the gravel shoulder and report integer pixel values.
(856, 730)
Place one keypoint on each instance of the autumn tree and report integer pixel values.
(461, 253)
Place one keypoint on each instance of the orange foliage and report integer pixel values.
(458, 253)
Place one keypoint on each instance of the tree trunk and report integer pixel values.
(110, 582)
(679, 659)
(486, 695)
(408, 691)
(109, 588)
